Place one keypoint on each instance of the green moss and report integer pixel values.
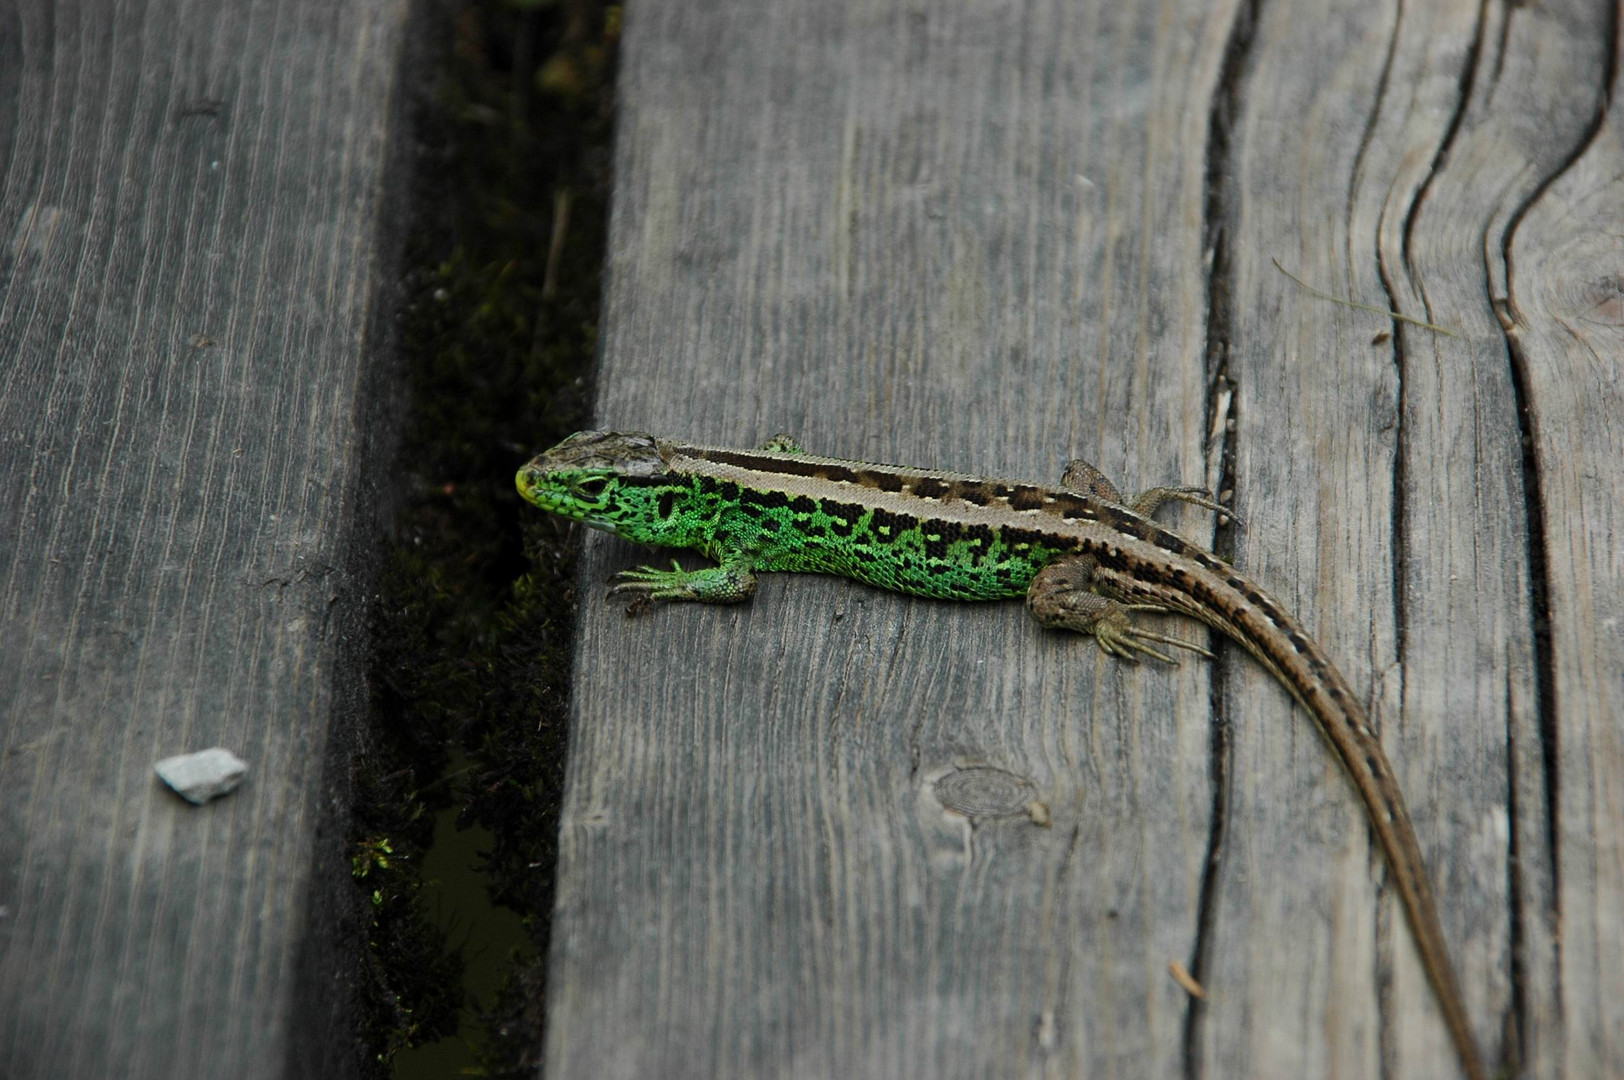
(410, 988)
(475, 610)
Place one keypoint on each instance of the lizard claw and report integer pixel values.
(648, 583)
(1120, 638)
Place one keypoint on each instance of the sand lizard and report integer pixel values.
(1084, 557)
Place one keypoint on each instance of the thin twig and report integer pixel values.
(555, 246)
(1400, 316)
(1182, 976)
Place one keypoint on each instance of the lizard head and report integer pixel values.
(607, 479)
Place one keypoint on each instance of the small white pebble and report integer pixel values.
(207, 774)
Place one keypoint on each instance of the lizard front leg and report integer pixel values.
(1062, 597)
(730, 583)
(783, 443)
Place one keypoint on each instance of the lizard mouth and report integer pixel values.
(529, 481)
(534, 489)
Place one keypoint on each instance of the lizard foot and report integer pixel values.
(1119, 637)
(1060, 598)
(726, 584)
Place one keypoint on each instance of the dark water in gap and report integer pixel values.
(454, 890)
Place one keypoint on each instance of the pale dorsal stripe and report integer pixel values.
(995, 514)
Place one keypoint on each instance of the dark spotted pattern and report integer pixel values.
(1027, 498)
(975, 494)
(906, 552)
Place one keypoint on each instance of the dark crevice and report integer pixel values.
(1463, 100)
(1207, 911)
(459, 796)
(1398, 527)
(1598, 120)
(1515, 1037)
(1544, 686)
(1398, 533)
(1544, 689)
(1356, 174)
(1219, 211)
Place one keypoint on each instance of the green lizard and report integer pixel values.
(1084, 557)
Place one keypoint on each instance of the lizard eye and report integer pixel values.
(592, 486)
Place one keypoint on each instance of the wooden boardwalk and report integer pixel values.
(985, 236)
(995, 236)
(196, 267)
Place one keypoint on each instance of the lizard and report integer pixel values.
(1085, 557)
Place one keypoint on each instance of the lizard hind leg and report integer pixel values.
(1084, 479)
(1060, 598)
(1081, 478)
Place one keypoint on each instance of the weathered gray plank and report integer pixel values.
(882, 229)
(1366, 161)
(1530, 84)
(1294, 938)
(190, 269)
(864, 223)
(1564, 310)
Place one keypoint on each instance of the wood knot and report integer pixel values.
(981, 792)
(1603, 300)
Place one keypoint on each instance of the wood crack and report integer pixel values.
(1463, 99)
(1516, 1035)
(1219, 212)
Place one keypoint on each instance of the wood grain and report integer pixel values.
(192, 244)
(1389, 184)
(992, 239)
(1564, 314)
(1530, 88)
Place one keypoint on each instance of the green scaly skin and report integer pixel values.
(747, 529)
(1085, 558)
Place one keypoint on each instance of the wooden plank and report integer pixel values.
(1294, 938)
(1373, 168)
(1530, 85)
(882, 229)
(976, 239)
(1564, 315)
(193, 240)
